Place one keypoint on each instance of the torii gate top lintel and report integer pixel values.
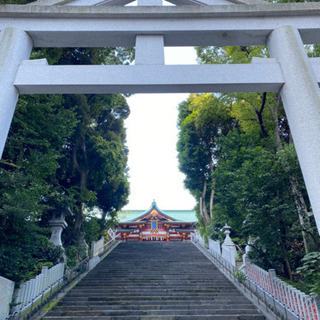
(140, 2)
(109, 26)
(260, 9)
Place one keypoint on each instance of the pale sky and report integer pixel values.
(152, 137)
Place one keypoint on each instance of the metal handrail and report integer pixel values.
(27, 311)
(280, 310)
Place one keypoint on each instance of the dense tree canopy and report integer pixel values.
(248, 165)
(203, 120)
(64, 153)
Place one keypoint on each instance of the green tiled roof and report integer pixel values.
(180, 215)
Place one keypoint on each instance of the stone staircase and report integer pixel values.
(151, 281)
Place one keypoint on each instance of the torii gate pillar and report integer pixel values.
(301, 98)
(15, 46)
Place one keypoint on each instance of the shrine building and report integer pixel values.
(155, 224)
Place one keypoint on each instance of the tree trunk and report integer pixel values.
(314, 240)
(288, 267)
(79, 214)
(300, 203)
(204, 213)
(211, 203)
(84, 172)
(274, 112)
(259, 112)
(78, 221)
(283, 245)
(302, 210)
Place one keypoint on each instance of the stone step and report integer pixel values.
(171, 306)
(153, 286)
(153, 270)
(153, 295)
(150, 302)
(162, 276)
(115, 297)
(155, 281)
(204, 277)
(172, 312)
(176, 281)
(176, 317)
(143, 291)
(158, 288)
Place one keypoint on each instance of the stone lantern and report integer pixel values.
(58, 224)
(228, 243)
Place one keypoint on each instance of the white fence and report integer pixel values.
(195, 236)
(97, 247)
(6, 292)
(228, 255)
(31, 291)
(258, 275)
(300, 305)
(215, 247)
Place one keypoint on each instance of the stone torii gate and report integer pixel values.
(283, 28)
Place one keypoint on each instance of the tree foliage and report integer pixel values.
(27, 178)
(255, 178)
(63, 153)
(203, 120)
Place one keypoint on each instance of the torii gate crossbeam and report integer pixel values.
(35, 77)
(59, 26)
(284, 28)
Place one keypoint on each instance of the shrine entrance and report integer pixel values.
(156, 225)
(283, 28)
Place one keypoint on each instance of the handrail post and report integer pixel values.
(272, 275)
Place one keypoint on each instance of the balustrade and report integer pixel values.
(32, 291)
(298, 305)
(97, 247)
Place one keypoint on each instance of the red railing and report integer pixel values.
(300, 303)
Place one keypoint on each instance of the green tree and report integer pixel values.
(257, 182)
(253, 194)
(63, 152)
(203, 119)
(93, 170)
(27, 179)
